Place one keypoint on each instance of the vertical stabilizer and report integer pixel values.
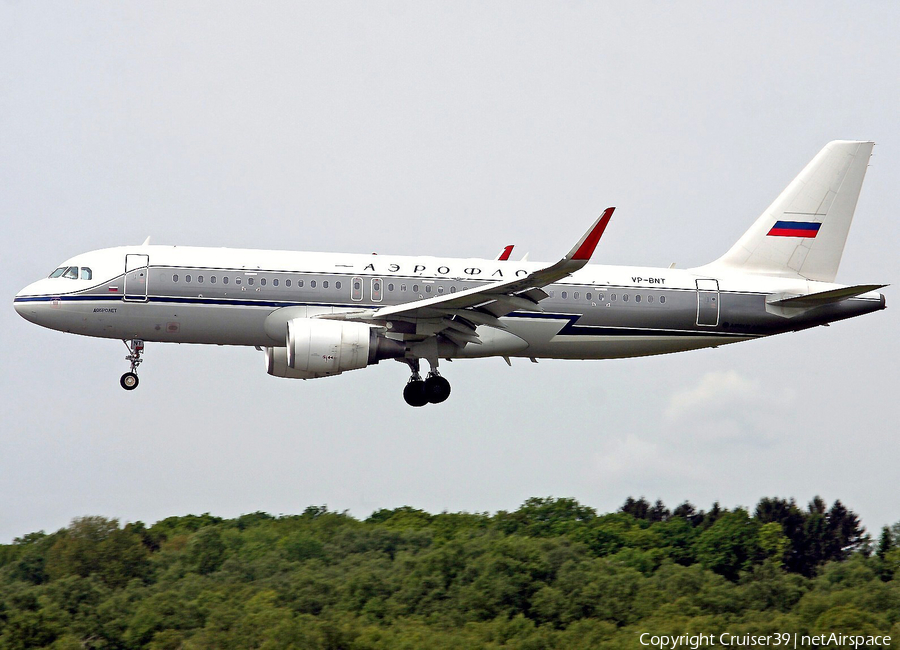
(803, 232)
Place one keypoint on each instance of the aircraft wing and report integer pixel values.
(457, 314)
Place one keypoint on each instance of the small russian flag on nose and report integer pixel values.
(794, 229)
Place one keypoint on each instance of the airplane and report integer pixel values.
(321, 314)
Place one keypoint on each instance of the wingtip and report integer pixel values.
(585, 248)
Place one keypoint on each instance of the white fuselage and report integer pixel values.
(245, 297)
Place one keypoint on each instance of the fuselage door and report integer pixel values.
(356, 289)
(137, 272)
(377, 287)
(708, 302)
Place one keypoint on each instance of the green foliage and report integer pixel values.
(95, 545)
(730, 545)
(552, 574)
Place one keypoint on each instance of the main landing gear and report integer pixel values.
(129, 380)
(434, 389)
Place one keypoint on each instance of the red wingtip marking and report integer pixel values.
(504, 256)
(587, 247)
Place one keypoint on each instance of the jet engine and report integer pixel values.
(322, 348)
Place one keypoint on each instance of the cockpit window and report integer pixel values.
(86, 273)
(58, 272)
(71, 273)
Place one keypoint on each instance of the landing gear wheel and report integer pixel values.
(129, 381)
(437, 389)
(414, 393)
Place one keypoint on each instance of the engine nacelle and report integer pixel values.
(323, 348)
(276, 365)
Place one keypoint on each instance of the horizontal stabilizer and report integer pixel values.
(826, 297)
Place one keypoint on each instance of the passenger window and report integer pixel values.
(402, 287)
(649, 298)
(237, 280)
(427, 288)
(662, 300)
(337, 285)
(312, 283)
(225, 280)
(187, 278)
(275, 282)
(441, 289)
(564, 295)
(637, 298)
(612, 297)
(287, 282)
(600, 297)
(58, 272)
(212, 279)
(415, 288)
(575, 295)
(551, 293)
(71, 273)
(86, 273)
(624, 297)
(325, 284)
(262, 282)
(250, 281)
(452, 289)
(175, 278)
(300, 283)
(390, 286)
(200, 279)
(587, 296)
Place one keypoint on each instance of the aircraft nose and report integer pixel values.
(26, 308)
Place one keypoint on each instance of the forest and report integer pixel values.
(552, 574)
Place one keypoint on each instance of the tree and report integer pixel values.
(96, 545)
(730, 545)
(546, 517)
(844, 534)
(885, 543)
(206, 550)
(658, 512)
(639, 509)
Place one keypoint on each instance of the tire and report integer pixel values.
(437, 389)
(129, 381)
(414, 393)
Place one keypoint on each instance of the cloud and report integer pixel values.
(715, 391)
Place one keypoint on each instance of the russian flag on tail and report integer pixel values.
(794, 229)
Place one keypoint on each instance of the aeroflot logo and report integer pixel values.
(471, 271)
(795, 229)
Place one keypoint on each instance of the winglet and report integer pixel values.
(586, 245)
(504, 256)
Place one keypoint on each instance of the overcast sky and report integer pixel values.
(442, 129)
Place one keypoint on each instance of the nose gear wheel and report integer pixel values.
(129, 381)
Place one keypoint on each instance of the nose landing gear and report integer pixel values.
(129, 380)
